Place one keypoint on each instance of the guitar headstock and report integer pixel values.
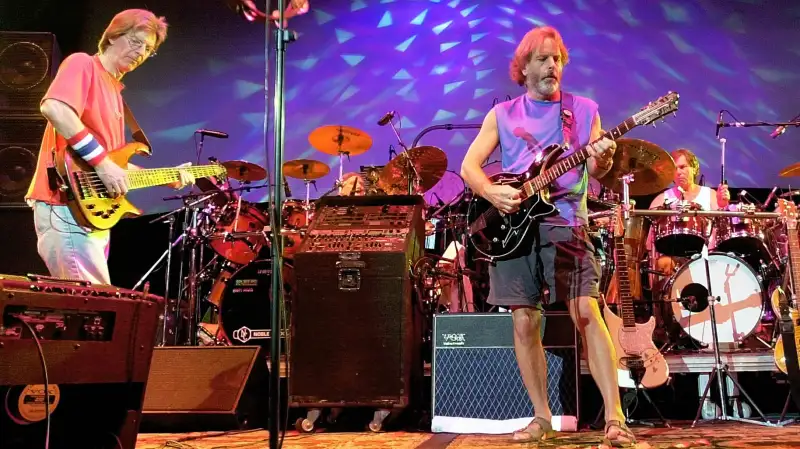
(657, 109)
(788, 212)
(617, 223)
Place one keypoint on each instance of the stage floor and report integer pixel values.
(681, 435)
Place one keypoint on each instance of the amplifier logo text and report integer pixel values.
(454, 339)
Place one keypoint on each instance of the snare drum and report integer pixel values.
(743, 236)
(741, 298)
(681, 236)
(240, 250)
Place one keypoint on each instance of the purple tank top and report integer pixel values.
(526, 127)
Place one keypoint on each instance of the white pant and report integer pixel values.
(70, 251)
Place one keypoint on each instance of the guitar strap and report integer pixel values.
(568, 119)
(136, 130)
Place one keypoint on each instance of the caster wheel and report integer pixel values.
(375, 426)
(304, 425)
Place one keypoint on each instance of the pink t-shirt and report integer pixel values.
(95, 95)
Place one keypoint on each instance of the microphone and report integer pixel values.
(286, 190)
(719, 123)
(782, 129)
(441, 203)
(770, 197)
(386, 118)
(212, 133)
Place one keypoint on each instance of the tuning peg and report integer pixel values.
(654, 124)
(674, 114)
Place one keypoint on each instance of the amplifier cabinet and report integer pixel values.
(356, 337)
(476, 383)
(97, 344)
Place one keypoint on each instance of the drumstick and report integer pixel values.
(722, 165)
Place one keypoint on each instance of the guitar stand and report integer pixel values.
(782, 421)
(637, 373)
(632, 397)
(720, 369)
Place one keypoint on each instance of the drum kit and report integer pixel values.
(747, 252)
(227, 240)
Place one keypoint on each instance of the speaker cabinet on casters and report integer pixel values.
(355, 334)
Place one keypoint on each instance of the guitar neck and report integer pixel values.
(794, 263)
(150, 177)
(626, 311)
(568, 163)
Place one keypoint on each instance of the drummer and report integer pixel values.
(685, 188)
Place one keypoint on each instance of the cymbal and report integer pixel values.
(790, 171)
(245, 171)
(653, 168)
(305, 169)
(430, 164)
(335, 139)
(789, 194)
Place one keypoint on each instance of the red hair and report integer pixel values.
(134, 20)
(529, 44)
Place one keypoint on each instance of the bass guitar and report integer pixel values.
(497, 236)
(639, 362)
(87, 197)
(785, 299)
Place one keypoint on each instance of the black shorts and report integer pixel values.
(561, 258)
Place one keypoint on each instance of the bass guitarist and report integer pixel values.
(84, 110)
(561, 254)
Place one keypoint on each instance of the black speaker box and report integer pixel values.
(28, 63)
(206, 388)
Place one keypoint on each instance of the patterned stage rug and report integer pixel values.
(711, 436)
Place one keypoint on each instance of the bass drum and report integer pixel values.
(246, 305)
(732, 280)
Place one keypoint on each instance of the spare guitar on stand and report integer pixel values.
(639, 363)
(786, 348)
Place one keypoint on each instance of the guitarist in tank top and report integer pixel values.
(560, 255)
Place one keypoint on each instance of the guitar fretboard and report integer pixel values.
(150, 177)
(568, 163)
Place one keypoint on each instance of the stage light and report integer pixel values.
(250, 12)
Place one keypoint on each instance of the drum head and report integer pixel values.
(245, 311)
(741, 298)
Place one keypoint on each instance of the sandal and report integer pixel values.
(544, 431)
(625, 438)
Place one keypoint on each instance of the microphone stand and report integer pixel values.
(284, 36)
(414, 178)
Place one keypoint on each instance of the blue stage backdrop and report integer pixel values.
(438, 62)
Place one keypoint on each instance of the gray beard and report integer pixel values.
(546, 88)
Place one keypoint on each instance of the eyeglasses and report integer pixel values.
(137, 44)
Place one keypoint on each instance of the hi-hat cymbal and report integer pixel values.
(245, 171)
(305, 169)
(430, 164)
(653, 168)
(790, 171)
(335, 139)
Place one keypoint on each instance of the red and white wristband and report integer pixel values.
(87, 147)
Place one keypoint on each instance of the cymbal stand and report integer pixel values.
(307, 205)
(413, 180)
(720, 369)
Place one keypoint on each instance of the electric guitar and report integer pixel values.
(786, 348)
(497, 236)
(639, 361)
(87, 197)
